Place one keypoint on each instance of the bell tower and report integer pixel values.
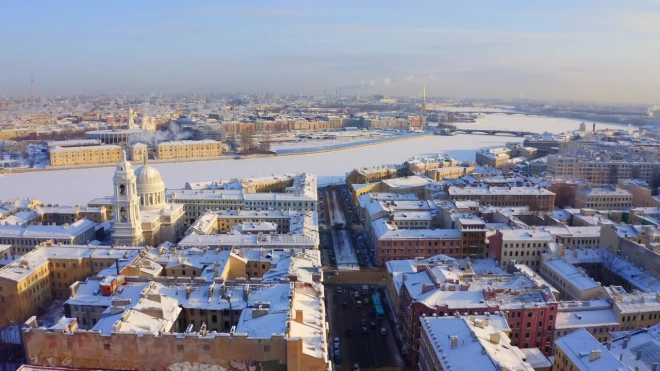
(127, 228)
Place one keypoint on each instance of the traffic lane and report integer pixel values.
(341, 320)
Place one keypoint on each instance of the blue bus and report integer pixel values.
(380, 314)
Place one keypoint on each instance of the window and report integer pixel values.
(106, 346)
(179, 347)
(207, 347)
(266, 348)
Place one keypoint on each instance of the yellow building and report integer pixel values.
(44, 274)
(139, 152)
(188, 149)
(579, 351)
(376, 174)
(451, 172)
(66, 156)
(603, 198)
(165, 323)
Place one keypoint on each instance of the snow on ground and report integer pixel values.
(71, 187)
(346, 258)
(328, 180)
(336, 215)
(343, 138)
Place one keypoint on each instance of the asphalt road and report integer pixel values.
(370, 350)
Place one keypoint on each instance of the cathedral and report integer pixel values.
(141, 216)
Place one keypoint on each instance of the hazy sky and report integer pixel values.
(598, 50)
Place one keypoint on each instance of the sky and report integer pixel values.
(589, 50)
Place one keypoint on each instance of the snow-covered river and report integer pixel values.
(77, 187)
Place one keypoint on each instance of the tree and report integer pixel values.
(247, 141)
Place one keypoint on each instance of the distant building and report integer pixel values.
(85, 155)
(188, 149)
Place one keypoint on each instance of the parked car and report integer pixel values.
(383, 331)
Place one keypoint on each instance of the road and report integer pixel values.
(371, 350)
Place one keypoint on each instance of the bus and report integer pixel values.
(380, 314)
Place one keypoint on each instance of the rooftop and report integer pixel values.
(580, 347)
(457, 340)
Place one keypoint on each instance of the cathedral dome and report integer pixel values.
(148, 180)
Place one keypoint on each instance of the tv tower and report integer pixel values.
(422, 118)
(32, 84)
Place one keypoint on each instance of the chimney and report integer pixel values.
(594, 355)
(454, 341)
(654, 366)
(299, 315)
(638, 354)
(495, 338)
(625, 342)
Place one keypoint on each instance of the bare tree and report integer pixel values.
(247, 141)
(264, 144)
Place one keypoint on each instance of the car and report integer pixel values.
(383, 331)
(335, 273)
(372, 324)
(335, 343)
(338, 359)
(338, 290)
(366, 300)
(356, 367)
(364, 329)
(356, 294)
(336, 352)
(349, 333)
(344, 306)
(363, 322)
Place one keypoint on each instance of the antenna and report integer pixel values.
(32, 84)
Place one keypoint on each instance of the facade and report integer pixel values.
(495, 157)
(392, 243)
(294, 192)
(598, 171)
(32, 281)
(572, 282)
(603, 198)
(523, 246)
(477, 287)
(67, 156)
(25, 238)
(188, 149)
(263, 324)
(139, 152)
(141, 215)
(376, 174)
(641, 192)
(537, 198)
(115, 136)
(450, 172)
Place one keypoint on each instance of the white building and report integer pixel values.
(141, 215)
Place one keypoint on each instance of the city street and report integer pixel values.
(370, 350)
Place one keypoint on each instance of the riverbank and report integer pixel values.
(295, 152)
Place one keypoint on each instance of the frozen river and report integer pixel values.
(77, 187)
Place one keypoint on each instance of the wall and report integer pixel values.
(125, 351)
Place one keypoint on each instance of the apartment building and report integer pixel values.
(393, 243)
(537, 198)
(572, 282)
(36, 278)
(524, 246)
(188, 149)
(101, 154)
(298, 192)
(139, 152)
(494, 157)
(603, 198)
(212, 323)
(376, 174)
(601, 171)
(24, 238)
(449, 343)
(478, 287)
(641, 191)
(579, 351)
